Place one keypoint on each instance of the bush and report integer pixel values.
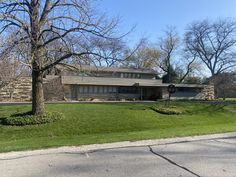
(27, 118)
(167, 110)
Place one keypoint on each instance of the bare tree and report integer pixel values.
(168, 46)
(144, 56)
(187, 66)
(10, 66)
(175, 61)
(224, 85)
(53, 31)
(7, 72)
(213, 43)
(111, 52)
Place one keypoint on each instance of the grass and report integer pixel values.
(227, 99)
(102, 123)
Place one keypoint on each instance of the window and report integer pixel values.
(80, 89)
(114, 89)
(100, 89)
(95, 89)
(91, 89)
(128, 90)
(85, 89)
(110, 89)
(105, 89)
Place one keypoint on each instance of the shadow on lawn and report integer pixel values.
(212, 108)
(2, 120)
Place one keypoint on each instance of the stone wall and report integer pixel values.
(208, 92)
(54, 90)
(18, 90)
(165, 93)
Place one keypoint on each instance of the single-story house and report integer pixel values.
(100, 83)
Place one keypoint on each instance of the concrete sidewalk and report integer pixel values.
(210, 156)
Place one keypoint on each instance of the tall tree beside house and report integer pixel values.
(213, 43)
(144, 56)
(168, 45)
(111, 52)
(225, 85)
(10, 67)
(175, 62)
(48, 28)
(8, 71)
(171, 76)
(193, 80)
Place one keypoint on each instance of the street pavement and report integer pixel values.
(203, 157)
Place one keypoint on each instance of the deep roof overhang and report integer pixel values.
(78, 80)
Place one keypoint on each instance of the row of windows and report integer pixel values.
(130, 75)
(186, 89)
(131, 90)
(106, 89)
(122, 75)
(97, 89)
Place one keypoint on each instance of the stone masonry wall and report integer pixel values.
(54, 90)
(208, 92)
(18, 90)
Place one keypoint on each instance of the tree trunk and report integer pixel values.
(37, 93)
(37, 74)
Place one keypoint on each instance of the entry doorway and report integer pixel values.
(150, 93)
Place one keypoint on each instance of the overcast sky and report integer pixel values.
(152, 16)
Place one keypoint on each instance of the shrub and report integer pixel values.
(21, 119)
(167, 110)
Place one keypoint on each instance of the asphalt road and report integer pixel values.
(199, 158)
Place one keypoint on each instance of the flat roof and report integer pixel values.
(74, 80)
(79, 80)
(108, 69)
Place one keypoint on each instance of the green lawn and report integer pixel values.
(101, 123)
(227, 99)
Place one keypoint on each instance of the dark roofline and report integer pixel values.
(107, 69)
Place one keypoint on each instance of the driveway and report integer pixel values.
(206, 156)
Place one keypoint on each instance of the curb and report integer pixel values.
(98, 147)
